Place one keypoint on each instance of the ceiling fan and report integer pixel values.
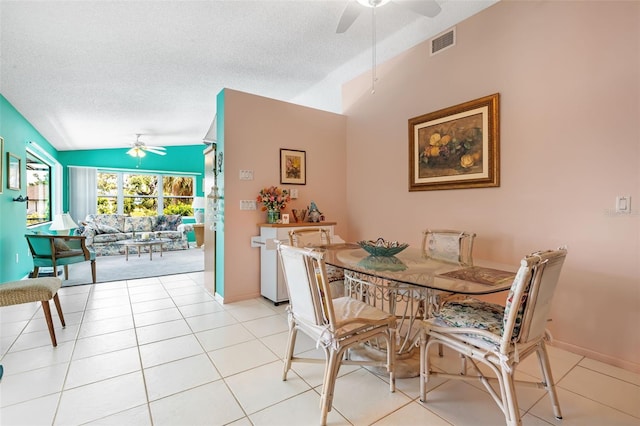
(140, 149)
(429, 8)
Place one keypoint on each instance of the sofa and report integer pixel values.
(104, 231)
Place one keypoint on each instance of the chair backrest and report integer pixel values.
(309, 237)
(305, 275)
(40, 245)
(529, 301)
(46, 246)
(448, 245)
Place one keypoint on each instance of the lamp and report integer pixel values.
(63, 224)
(198, 209)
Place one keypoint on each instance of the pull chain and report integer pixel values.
(374, 77)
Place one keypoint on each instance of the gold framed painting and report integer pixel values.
(456, 147)
(293, 167)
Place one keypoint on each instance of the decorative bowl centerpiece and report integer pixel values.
(380, 247)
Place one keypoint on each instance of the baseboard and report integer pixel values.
(45, 272)
(607, 359)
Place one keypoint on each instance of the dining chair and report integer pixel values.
(59, 250)
(309, 237)
(335, 324)
(500, 337)
(448, 245)
(451, 246)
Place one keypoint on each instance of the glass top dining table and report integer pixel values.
(411, 267)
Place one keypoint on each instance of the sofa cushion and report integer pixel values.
(168, 222)
(111, 238)
(139, 223)
(106, 229)
(114, 220)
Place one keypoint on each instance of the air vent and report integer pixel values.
(443, 41)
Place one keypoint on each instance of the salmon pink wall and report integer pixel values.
(255, 128)
(569, 82)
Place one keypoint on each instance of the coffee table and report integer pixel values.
(141, 243)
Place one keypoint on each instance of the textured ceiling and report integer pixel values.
(92, 74)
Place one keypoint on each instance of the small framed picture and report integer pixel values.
(285, 218)
(293, 167)
(13, 171)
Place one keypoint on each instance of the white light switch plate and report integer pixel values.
(247, 205)
(246, 174)
(623, 204)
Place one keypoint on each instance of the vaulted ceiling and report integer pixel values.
(91, 74)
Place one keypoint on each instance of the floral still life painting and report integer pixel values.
(293, 167)
(456, 147)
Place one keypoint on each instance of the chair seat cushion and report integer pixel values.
(335, 273)
(472, 313)
(26, 291)
(347, 308)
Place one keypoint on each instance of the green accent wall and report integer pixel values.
(18, 133)
(219, 268)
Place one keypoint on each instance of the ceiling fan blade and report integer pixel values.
(428, 8)
(155, 151)
(349, 15)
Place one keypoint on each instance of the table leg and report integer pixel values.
(407, 303)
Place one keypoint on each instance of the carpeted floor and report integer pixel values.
(116, 268)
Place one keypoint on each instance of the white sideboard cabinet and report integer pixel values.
(272, 285)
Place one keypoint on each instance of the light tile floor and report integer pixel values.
(162, 351)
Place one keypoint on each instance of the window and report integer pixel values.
(144, 194)
(38, 190)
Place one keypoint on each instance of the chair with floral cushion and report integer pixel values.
(500, 337)
(335, 324)
(59, 250)
(309, 237)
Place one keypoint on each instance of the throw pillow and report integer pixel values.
(60, 245)
(168, 222)
(106, 229)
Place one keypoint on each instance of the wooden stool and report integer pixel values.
(34, 290)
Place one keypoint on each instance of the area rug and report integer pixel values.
(116, 268)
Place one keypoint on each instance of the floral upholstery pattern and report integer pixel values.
(139, 223)
(113, 220)
(105, 231)
(472, 313)
(168, 222)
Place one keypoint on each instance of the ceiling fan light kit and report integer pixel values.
(140, 149)
(373, 3)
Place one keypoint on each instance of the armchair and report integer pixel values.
(59, 250)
